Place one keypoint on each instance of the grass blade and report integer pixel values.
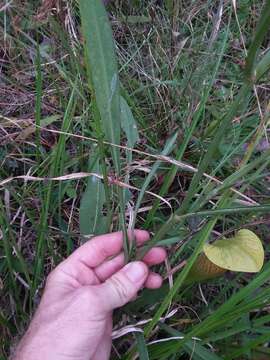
(197, 351)
(262, 28)
(55, 169)
(141, 345)
(166, 151)
(189, 131)
(38, 99)
(263, 66)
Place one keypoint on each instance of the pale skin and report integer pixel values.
(74, 318)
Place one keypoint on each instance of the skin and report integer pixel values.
(74, 318)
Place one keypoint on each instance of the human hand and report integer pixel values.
(74, 318)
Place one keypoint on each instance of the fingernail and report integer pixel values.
(135, 271)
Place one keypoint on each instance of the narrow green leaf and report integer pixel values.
(103, 72)
(190, 130)
(128, 123)
(261, 30)
(225, 314)
(194, 348)
(38, 99)
(264, 338)
(225, 310)
(229, 211)
(166, 151)
(263, 66)
(101, 59)
(141, 345)
(56, 168)
(92, 220)
(178, 282)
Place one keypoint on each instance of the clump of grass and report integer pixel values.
(201, 160)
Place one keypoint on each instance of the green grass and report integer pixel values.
(190, 118)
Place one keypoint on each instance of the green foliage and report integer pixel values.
(103, 71)
(243, 252)
(92, 220)
(188, 106)
(128, 124)
(204, 269)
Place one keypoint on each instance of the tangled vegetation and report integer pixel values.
(147, 114)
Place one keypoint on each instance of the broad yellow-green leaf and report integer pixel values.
(203, 269)
(244, 252)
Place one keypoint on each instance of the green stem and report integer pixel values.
(38, 102)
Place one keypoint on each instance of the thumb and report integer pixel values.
(124, 285)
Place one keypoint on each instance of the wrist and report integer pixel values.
(29, 347)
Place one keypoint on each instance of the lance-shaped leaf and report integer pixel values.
(101, 63)
(92, 220)
(128, 123)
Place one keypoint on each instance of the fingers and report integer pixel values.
(98, 249)
(119, 289)
(153, 281)
(90, 258)
(108, 268)
(154, 256)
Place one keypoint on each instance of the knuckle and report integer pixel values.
(100, 250)
(121, 288)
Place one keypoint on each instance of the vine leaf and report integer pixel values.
(203, 269)
(244, 252)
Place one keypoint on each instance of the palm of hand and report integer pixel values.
(79, 309)
(74, 318)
